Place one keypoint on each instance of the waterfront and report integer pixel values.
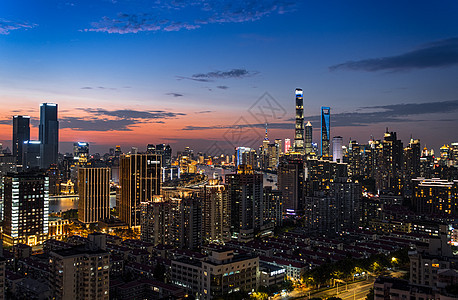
(60, 204)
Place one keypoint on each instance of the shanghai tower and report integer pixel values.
(299, 133)
(48, 134)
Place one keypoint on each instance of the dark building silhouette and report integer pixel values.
(48, 134)
(245, 200)
(21, 133)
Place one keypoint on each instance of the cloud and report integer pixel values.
(114, 120)
(7, 26)
(442, 53)
(212, 76)
(96, 124)
(365, 116)
(234, 73)
(132, 114)
(175, 94)
(190, 15)
(223, 87)
(194, 79)
(204, 112)
(98, 87)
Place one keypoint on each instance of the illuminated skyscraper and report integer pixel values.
(245, 200)
(337, 149)
(299, 133)
(325, 130)
(25, 208)
(21, 133)
(81, 150)
(94, 194)
(31, 157)
(287, 145)
(140, 181)
(215, 212)
(308, 138)
(48, 134)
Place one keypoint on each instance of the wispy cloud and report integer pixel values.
(156, 17)
(234, 73)
(212, 76)
(365, 116)
(175, 94)
(97, 88)
(437, 54)
(114, 120)
(6, 26)
(204, 112)
(132, 114)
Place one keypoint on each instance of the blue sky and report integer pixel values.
(136, 72)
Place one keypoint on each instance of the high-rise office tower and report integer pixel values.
(354, 158)
(273, 207)
(21, 133)
(299, 131)
(325, 130)
(94, 194)
(161, 149)
(155, 221)
(185, 217)
(80, 150)
(25, 208)
(337, 149)
(215, 213)
(412, 155)
(31, 157)
(140, 181)
(389, 175)
(245, 200)
(291, 177)
(287, 145)
(308, 138)
(48, 134)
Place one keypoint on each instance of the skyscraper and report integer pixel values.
(337, 149)
(215, 220)
(245, 200)
(21, 133)
(94, 194)
(308, 138)
(25, 208)
(48, 134)
(287, 145)
(140, 180)
(81, 150)
(291, 176)
(325, 130)
(31, 157)
(299, 133)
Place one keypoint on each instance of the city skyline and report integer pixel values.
(183, 73)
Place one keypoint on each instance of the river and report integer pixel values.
(58, 204)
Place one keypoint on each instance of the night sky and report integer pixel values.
(129, 73)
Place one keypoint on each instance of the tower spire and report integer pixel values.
(266, 138)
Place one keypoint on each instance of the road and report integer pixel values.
(354, 291)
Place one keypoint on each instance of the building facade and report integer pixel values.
(94, 194)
